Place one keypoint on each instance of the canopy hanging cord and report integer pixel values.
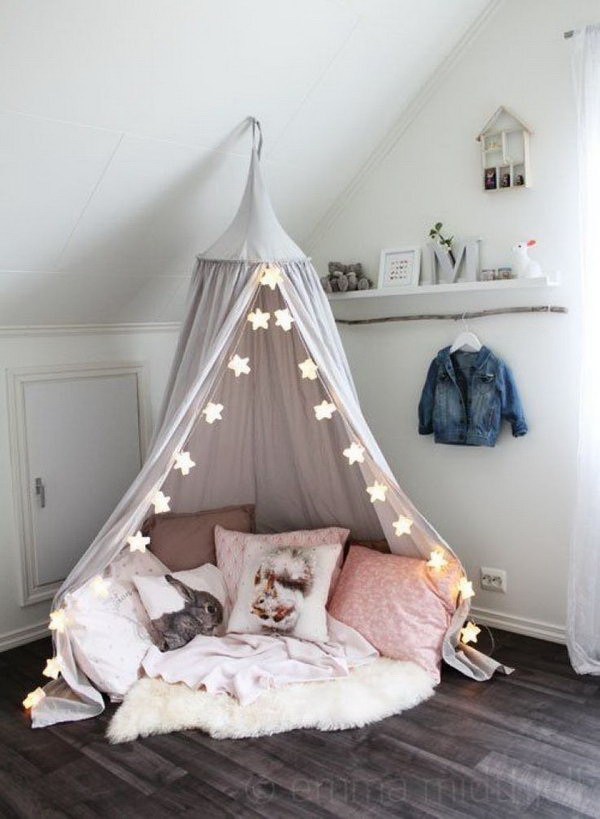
(544, 308)
(257, 136)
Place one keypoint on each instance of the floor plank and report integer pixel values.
(527, 745)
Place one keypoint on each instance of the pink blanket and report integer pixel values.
(244, 665)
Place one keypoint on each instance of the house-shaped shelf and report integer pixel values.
(504, 142)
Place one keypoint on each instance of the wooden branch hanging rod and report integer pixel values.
(544, 308)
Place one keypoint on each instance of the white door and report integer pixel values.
(82, 448)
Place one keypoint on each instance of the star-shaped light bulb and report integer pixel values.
(469, 633)
(58, 620)
(184, 462)
(100, 586)
(465, 587)
(212, 412)
(34, 698)
(53, 668)
(161, 502)
(324, 410)
(378, 491)
(437, 560)
(137, 542)
(402, 526)
(355, 453)
(271, 276)
(308, 369)
(284, 319)
(259, 319)
(239, 365)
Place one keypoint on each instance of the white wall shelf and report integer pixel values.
(458, 287)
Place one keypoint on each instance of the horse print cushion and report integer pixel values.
(182, 605)
(284, 589)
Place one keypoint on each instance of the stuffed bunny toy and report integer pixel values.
(201, 614)
(525, 267)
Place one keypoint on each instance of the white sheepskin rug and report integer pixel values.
(369, 693)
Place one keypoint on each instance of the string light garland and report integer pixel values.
(239, 365)
(212, 412)
(355, 453)
(100, 586)
(377, 492)
(53, 668)
(161, 502)
(34, 698)
(437, 560)
(324, 410)
(58, 621)
(259, 320)
(184, 463)
(308, 369)
(284, 319)
(402, 526)
(469, 633)
(465, 588)
(137, 542)
(271, 277)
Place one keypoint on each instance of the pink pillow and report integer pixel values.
(230, 548)
(397, 604)
(185, 540)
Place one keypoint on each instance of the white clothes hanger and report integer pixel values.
(466, 340)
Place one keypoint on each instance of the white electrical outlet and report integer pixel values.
(492, 579)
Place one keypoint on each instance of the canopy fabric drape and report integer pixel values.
(269, 448)
(583, 621)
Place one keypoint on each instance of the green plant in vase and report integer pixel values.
(436, 234)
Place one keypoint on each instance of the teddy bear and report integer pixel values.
(344, 278)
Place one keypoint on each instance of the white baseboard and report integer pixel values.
(520, 625)
(20, 636)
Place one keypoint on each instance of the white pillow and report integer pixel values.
(196, 597)
(109, 633)
(284, 589)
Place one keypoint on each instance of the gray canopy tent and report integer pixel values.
(274, 436)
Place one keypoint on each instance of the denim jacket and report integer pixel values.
(466, 396)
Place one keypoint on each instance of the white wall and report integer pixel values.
(508, 507)
(37, 349)
(115, 172)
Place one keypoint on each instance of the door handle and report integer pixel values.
(40, 491)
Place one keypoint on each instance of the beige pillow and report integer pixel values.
(186, 540)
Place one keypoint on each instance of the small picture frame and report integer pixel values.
(399, 267)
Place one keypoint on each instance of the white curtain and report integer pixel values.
(583, 627)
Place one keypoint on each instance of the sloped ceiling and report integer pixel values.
(122, 146)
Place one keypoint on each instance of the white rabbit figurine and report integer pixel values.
(525, 268)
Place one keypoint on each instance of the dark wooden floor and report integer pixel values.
(522, 746)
